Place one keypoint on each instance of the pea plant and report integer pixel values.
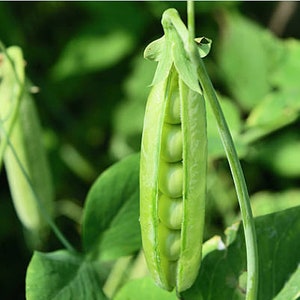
(144, 218)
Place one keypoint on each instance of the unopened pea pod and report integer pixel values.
(25, 143)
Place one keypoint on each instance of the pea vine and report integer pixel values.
(234, 163)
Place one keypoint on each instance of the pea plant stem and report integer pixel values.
(234, 163)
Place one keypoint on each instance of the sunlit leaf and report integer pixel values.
(222, 272)
(247, 56)
(110, 223)
(275, 111)
(291, 289)
(286, 74)
(143, 288)
(61, 275)
(87, 53)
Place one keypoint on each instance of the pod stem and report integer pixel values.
(233, 160)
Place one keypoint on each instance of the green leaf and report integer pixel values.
(143, 288)
(286, 75)
(111, 213)
(61, 275)
(247, 57)
(88, 53)
(291, 289)
(275, 111)
(222, 272)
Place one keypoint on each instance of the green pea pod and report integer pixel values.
(20, 122)
(173, 162)
(172, 193)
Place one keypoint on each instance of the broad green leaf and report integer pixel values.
(61, 275)
(275, 111)
(291, 289)
(286, 75)
(278, 246)
(222, 272)
(247, 57)
(282, 106)
(143, 288)
(88, 53)
(110, 223)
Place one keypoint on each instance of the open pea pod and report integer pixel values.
(173, 165)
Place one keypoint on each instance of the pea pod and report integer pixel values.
(173, 174)
(20, 121)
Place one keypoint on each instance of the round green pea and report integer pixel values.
(172, 115)
(171, 143)
(170, 180)
(170, 211)
(169, 242)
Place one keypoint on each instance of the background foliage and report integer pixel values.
(86, 59)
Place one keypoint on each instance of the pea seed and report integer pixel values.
(169, 241)
(173, 109)
(170, 179)
(171, 148)
(170, 211)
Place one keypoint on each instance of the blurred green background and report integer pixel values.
(86, 58)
